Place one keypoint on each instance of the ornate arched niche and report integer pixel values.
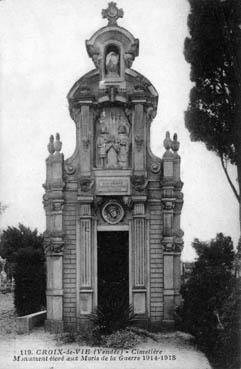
(112, 49)
(113, 62)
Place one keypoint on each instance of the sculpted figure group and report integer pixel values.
(113, 151)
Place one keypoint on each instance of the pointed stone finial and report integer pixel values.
(57, 143)
(50, 146)
(167, 143)
(175, 143)
(112, 13)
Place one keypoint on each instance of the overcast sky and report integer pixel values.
(42, 47)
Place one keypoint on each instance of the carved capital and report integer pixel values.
(178, 185)
(168, 204)
(53, 245)
(178, 206)
(170, 244)
(57, 205)
(86, 184)
(139, 182)
(127, 200)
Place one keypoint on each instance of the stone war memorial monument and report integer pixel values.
(113, 208)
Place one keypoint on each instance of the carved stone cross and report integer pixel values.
(112, 13)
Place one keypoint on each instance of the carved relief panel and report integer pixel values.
(113, 139)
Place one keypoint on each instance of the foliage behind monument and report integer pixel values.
(23, 250)
(212, 302)
(214, 52)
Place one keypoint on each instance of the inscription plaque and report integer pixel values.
(112, 186)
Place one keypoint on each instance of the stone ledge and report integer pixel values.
(26, 323)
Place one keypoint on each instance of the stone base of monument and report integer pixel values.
(54, 326)
(27, 322)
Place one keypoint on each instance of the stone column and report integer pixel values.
(54, 243)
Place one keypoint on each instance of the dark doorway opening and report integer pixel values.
(113, 268)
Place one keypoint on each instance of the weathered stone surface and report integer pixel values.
(112, 183)
(26, 323)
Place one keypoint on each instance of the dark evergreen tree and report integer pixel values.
(15, 238)
(24, 252)
(214, 52)
(30, 281)
(211, 303)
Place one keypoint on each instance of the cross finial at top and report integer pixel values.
(112, 13)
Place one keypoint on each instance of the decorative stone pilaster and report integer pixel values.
(177, 232)
(85, 257)
(53, 237)
(82, 115)
(139, 143)
(172, 201)
(139, 257)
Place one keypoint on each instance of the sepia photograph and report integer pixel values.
(120, 178)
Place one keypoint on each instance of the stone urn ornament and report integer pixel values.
(57, 143)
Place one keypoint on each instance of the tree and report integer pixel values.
(13, 239)
(30, 281)
(214, 52)
(23, 249)
(212, 302)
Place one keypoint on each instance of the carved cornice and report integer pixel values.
(167, 182)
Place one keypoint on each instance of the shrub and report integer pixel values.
(211, 303)
(30, 281)
(116, 314)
